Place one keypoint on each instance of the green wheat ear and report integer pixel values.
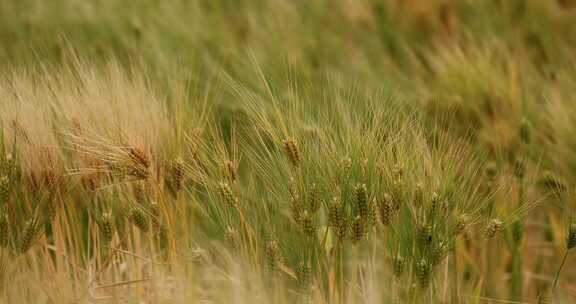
(571, 238)
(314, 198)
(337, 219)
(373, 213)
(439, 253)
(296, 209)
(304, 276)
(357, 230)
(227, 194)
(230, 171)
(423, 272)
(424, 234)
(386, 210)
(308, 225)
(4, 188)
(398, 263)
(4, 229)
(139, 218)
(30, 234)
(361, 195)
(106, 226)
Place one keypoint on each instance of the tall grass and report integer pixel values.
(286, 151)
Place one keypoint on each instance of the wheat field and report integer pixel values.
(287, 151)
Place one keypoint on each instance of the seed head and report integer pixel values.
(342, 229)
(398, 263)
(308, 225)
(314, 198)
(4, 229)
(357, 230)
(439, 253)
(554, 182)
(138, 164)
(438, 206)
(227, 194)
(423, 270)
(230, 170)
(460, 224)
(155, 214)
(273, 255)
(291, 150)
(493, 227)
(361, 201)
(571, 238)
(296, 209)
(335, 213)
(373, 213)
(139, 218)
(30, 234)
(138, 156)
(386, 210)
(304, 276)
(106, 226)
(177, 174)
(337, 218)
(424, 234)
(4, 188)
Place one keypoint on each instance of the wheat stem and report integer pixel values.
(559, 270)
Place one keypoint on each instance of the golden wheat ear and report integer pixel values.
(292, 152)
(493, 227)
(273, 257)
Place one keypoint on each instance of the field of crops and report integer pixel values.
(287, 151)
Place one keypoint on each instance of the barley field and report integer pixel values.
(287, 151)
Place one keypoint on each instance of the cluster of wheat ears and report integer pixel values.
(351, 198)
